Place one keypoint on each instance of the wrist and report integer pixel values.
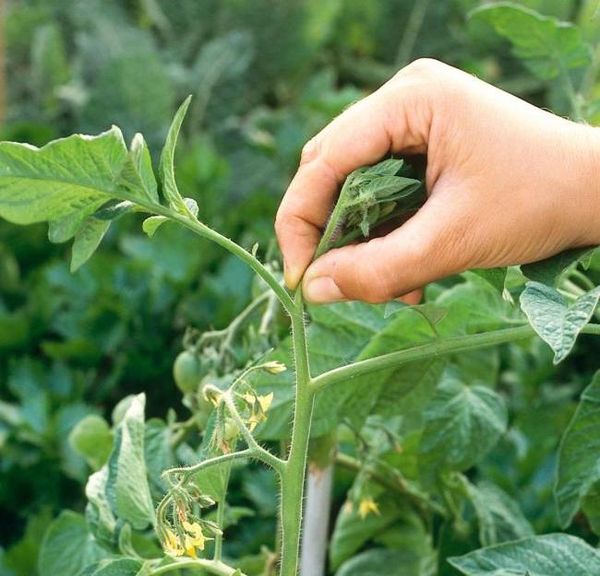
(588, 196)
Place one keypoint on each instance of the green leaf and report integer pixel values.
(554, 320)
(152, 224)
(550, 270)
(351, 532)
(140, 155)
(379, 561)
(547, 46)
(495, 276)
(549, 555)
(99, 513)
(68, 179)
(578, 467)
(68, 547)
(462, 423)
(114, 567)
(499, 517)
(87, 239)
(127, 487)
(92, 438)
(167, 161)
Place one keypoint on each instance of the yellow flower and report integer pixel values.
(194, 538)
(171, 544)
(265, 402)
(368, 506)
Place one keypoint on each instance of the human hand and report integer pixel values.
(508, 183)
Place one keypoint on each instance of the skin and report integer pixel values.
(508, 183)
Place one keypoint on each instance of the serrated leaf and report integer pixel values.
(87, 239)
(167, 160)
(578, 467)
(92, 438)
(549, 555)
(556, 321)
(127, 487)
(152, 224)
(462, 423)
(68, 547)
(547, 46)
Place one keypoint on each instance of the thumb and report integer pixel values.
(427, 247)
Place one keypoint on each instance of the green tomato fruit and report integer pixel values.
(230, 430)
(187, 372)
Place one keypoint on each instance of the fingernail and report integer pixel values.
(322, 289)
(291, 277)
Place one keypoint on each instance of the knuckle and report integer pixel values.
(423, 68)
(310, 150)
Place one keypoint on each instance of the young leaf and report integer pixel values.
(549, 555)
(152, 224)
(167, 161)
(68, 547)
(462, 423)
(369, 197)
(578, 471)
(140, 155)
(554, 320)
(547, 46)
(127, 488)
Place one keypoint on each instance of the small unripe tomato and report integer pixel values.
(187, 372)
(230, 430)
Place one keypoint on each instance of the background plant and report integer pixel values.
(71, 348)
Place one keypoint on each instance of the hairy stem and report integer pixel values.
(430, 350)
(292, 479)
(188, 471)
(257, 450)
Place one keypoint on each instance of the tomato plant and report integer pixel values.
(403, 398)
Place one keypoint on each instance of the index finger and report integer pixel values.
(361, 135)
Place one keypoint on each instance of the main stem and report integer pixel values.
(294, 471)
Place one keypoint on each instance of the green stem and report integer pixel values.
(430, 350)
(213, 567)
(257, 450)
(292, 480)
(335, 220)
(189, 471)
(229, 245)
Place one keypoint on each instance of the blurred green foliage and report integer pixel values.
(266, 75)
